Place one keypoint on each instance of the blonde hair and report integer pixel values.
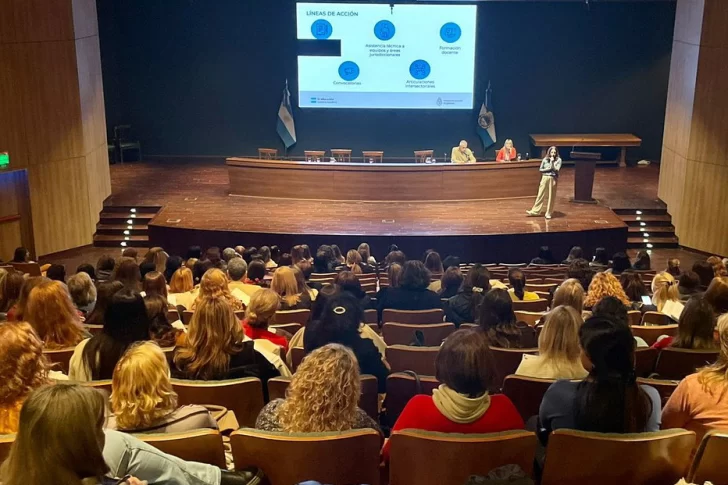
(324, 392)
(569, 293)
(157, 256)
(605, 284)
(82, 289)
(285, 285)
(505, 143)
(718, 265)
(262, 308)
(141, 391)
(51, 313)
(213, 335)
(353, 260)
(664, 289)
(559, 339)
(182, 281)
(68, 421)
(214, 284)
(716, 374)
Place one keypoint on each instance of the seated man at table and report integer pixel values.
(462, 154)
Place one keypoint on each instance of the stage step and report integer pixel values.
(120, 229)
(646, 218)
(113, 228)
(103, 240)
(656, 242)
(640, 212)
(656, 231)
(153, 209)
(656, 223)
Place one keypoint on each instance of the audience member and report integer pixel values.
(260, 314)
(412, 293)
(694, 329)
(10, 288)
(340, 323)
(145, 268)
(285, 260)
(21, 255)
(395, 256)
(303, 286)
(104, 293)
(366, 254)
(228, 254)
(353, 263)
(173, 264)
(306, 252)
(517, 279)
(461, 404)
(130, 253)
(717, 294)
(608, 400)
(125, 323)
(700, 402)
(127, 271)
(348, 282)
(265, 253)
(56, 272)
(576, 254)
(581, 270)
(718, 267)
(620, 264)
(158, 257)
(237, 268)
(213, 255)
(570, 293)
(256, 274)
(559, 355)
(338, 257)
(635, 290)
(163, 332)
(17, 311)
(214, 284)
(54, 318)
(88, 269)
(673, 267)
(142, 398)
(689, 285)
(643, 262)
(83, 292)
(154, 284)
(705, 272)
(182, 281)
(605, 284)
(216, 347)
(615, 311)
(665, 295)
(394, 274)
(433, 263)
(240, 250)
(601, 258)
(498, 321)
(285, 285)
(450, 282)
(194, 252)
(323, 396)
(297, 254)
(545, 256)
(462, 308)
(248, 254)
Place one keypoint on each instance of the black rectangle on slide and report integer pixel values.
(322, 48)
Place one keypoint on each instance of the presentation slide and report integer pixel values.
(409, 56)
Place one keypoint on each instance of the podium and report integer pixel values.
(584, 182)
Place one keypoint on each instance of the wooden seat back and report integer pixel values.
(434, 315)
(202, 446)
(404, 334)
(60, 358)
(709, 461)
(401, 387)
(677, 364)
(242, 396)
(531, 306)
(506, 361)
(417, 359)
(292, 316)
(650, 334)
(526, 393)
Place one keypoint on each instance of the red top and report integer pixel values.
(421, 413)
(501, 157)
(664, 343)
(259, 333)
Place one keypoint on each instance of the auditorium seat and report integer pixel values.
(664, 387)
(420, 360)
(526, 393)
(635, 317)
(675, 363)
(375, 156)
(656, 318)
(403, 386)
(429, 458)
(368, 400)
(543, 288)
(661, 457)
(645, 360)
(651, 333)
(435, 315)
(297, 355)
(31, 269)
(370, 288)
(187, 317)
(93, 329)
(370, 316)
(173, 316)
(344, 457)
(292, 316)
(242, 396)
(103, 385)
(506, 361)
(404, 334)
(291, 328)
(60, 358)
(709, 461)
(531, 318)
(203, 445)
(341, 154)
(268, 153)
(422, 155)
(531, 306)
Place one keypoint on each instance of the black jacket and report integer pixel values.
(408, 299)
(246, 363)
(459, 309)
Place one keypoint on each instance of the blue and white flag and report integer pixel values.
(486, 121)
(286, 127)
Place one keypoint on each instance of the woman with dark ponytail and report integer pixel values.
(609, 400)
(518, 292)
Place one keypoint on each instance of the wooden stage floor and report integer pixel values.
(196, 194)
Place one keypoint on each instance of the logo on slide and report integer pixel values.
(322, 29)
(349, 71)
(384, 30)
(450, 32)
(420, 69)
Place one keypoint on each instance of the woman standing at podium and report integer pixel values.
(550, 167)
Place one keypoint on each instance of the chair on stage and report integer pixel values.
(341, 154)
(372, 156)
(268, 153)
(314, 155)
(421, 156)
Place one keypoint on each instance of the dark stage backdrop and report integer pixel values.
(204, 77)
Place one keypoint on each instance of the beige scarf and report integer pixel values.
(459, 408)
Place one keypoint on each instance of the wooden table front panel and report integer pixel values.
(350, 181)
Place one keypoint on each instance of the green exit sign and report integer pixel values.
(4, 159)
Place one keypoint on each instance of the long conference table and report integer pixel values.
(382, 181)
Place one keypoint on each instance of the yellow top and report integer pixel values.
(527, 295)
(460, 157)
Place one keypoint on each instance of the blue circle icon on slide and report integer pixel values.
(349, 71)
(322, 29)
(384, 30)
(420, 69)
(451, 32)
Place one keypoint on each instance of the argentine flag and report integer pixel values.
(486, 121)
(286, 127)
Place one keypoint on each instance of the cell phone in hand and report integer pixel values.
(646, 300)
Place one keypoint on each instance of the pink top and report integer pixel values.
(696, 409)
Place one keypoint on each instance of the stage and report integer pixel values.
(197, 209)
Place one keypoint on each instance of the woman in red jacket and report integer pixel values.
(462, 403)
(507, 153)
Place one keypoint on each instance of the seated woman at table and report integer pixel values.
(507, 153)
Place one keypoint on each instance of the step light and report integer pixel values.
(126, 239)
(645, 240)
(129, 221)
(130, 227)
(126, 233)
(639, 213)
(639, 218)
(645, 234)
(123, 244)
(649, 251)
(650, 246)
(133, 210)
(133, 215)
(643, 224)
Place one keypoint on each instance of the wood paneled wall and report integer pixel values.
(53, 121)
(694, 169)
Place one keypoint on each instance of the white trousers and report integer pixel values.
(547, 188)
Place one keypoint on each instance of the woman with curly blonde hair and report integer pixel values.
(26, 370)
(54, 317)
(323, 396)
(214, 284)
(142, 398)
(605, 284)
